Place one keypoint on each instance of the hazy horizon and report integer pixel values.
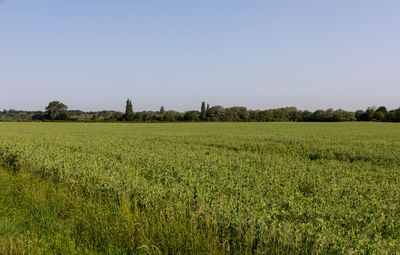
(93, 55)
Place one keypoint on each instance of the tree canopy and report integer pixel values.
(56, 111)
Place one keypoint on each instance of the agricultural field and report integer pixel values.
(200, 188)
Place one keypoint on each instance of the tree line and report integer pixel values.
(57, 111)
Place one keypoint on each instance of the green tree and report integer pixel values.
(128, 110)
(162, 111)
(396, 115)
(359, 115)
(56, 111)
(171, 116)
(236, 113)
(381, 109)
(191, 116)
(216, 113)
(379, 115)
(307, 116)
(368, 115)
(37, 116)
(203, 111)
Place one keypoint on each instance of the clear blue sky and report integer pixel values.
(93, 54)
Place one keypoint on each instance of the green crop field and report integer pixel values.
(200, 188)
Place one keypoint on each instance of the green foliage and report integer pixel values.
(203, 113)
(215, 113)
(56, 111)
(380, 116)
(171, 116)
(190, 188)
(128, 110)
(382, 109)
(191, 116)
(236, 113)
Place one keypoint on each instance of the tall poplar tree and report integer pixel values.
(128, 110)
(203, 111)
